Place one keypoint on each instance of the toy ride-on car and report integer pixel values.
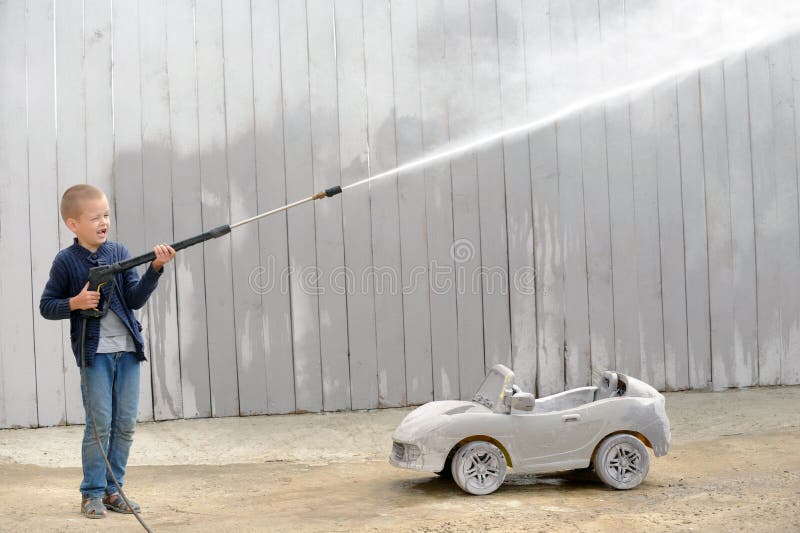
(608, 428)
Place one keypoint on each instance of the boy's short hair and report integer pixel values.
(74, 197)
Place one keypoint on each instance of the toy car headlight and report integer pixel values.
(405, 452)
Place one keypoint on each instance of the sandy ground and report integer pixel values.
(734, 466)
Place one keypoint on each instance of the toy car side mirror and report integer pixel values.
(522, 402)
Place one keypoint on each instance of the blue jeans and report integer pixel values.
(113, 380)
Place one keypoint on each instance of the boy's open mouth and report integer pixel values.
(102, 233)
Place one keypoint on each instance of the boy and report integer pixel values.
(114, 346)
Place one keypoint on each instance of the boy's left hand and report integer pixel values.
(164, 254)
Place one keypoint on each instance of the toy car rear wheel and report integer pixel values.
(479, 467)
(622, 461)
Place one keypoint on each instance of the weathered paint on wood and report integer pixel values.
(301, 221)
(466, 247)
(663, 226)
(71, 158)
(389, 327)
(594, 170)
(333, 287)
(411, 190)
(544, 185)
(215, 209)
(788, 220)
(768, 239)
(45, 221)
(17, 368)
(577, 357)
(743, 361)
(695, 240)
(187, 202)
(128, 161)
(238, 56)
(491, 186)
(519, 215)
(157, 223)
(353, 152)
(790, 367)
(718, 214)
(271, 280)
(438, 202)
(621, 200)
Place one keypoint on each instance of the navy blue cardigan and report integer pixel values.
(69, 274)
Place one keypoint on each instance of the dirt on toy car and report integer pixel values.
(608, 427)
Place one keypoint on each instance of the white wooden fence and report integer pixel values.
(657, 234)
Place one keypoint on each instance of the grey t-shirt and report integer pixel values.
(114, 335)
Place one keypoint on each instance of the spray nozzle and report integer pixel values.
(327, 193)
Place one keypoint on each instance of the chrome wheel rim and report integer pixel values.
(624, 463)
(481, 468)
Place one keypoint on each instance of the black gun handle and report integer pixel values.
(180, 245)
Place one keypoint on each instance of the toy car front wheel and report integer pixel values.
(622, 461)
(479, 467)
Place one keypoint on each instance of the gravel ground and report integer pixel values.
(733, 466)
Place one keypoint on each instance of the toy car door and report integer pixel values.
(552, 441)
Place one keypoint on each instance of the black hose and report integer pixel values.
(94, 427)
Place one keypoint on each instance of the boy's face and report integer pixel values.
(91, 227)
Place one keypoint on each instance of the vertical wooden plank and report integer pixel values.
(272, 194)
(128, 186)
(621, 200)
(237, 48)
(43, 181)
(299, 184)
(17, 347)
(745, 348)
(186, 200)
(466, 248)
(572, 230)
(768, 251)
(491, 184)
(594, 168)
(353, 149)
(645, 187)
(544, 186)
(384, 206)
(334, 289)
(718, 209)
(71, 157)
(694, 231)
(157, 189)
(99, 121)
(439, 202)
(670, 212)
(411, 189)
(785, 166)
(650, 366)
(215, 208)
(790, 371)
(519, 214)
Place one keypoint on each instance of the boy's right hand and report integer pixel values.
(85, 299)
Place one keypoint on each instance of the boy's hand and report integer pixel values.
(85, 299)
(164, 254)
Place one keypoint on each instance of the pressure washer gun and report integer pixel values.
(105, 274)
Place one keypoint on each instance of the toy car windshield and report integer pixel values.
(494, 388)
